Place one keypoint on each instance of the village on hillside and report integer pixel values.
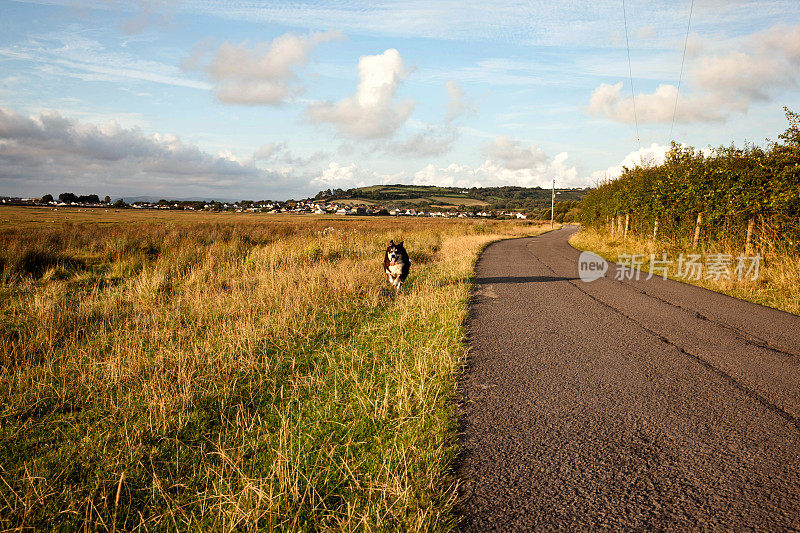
(309, 207)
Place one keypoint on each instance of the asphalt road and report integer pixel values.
(623, 405)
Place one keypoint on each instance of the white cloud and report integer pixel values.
(491, 174)
(607, 100)
(372, 112)
(719, 83)
(453, 175)
(262, 74)
(768, 60)
(509, 162)
(502, 168)
(655, 154)
(348, 176)
(512, 155)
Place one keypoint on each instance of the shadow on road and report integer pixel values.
(520, 279)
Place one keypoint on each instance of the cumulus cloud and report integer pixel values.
(509, 162)
(720, 82)
(503, 166)
(262, 74)
(608, 100)
(490, 174)
(453, 175)
(48, 150)
(769, 60)
(652, 155)
(371, 113)
(512, 155)
(352, 175)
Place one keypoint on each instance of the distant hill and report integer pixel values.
(155, 199)
(475, 198)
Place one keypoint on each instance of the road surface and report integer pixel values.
(625, 405)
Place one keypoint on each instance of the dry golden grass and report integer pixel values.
(778, 283)
(202, 371)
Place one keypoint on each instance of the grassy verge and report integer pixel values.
(231, 373)
(777, 284)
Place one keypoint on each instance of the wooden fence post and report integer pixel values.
(655, 229)
(697, 230)
(627, 221)
(748, 243)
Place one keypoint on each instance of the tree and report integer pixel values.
(120, 203)
(107, 200)
(47, 198)
(67, 197)
(792, 134)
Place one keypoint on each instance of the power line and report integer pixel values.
(680, 77)
(630, 73)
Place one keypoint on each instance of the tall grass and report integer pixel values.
(777, 284)
(231, 375)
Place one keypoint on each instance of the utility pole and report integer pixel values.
(553, 205)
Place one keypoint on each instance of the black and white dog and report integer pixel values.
(396, 264)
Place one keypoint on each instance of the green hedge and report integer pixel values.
(730, 186)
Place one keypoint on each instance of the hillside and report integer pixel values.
(475, 198)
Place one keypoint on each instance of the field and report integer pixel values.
(434, 201)
(455, 201)
(171, 370)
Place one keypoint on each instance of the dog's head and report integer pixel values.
(395, 252)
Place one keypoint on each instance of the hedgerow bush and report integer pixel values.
(731, 187)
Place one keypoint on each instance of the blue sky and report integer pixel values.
(282, 99)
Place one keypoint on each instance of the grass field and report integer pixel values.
(194, 371)
(777, 284)
(456, 201)
(435, 201)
